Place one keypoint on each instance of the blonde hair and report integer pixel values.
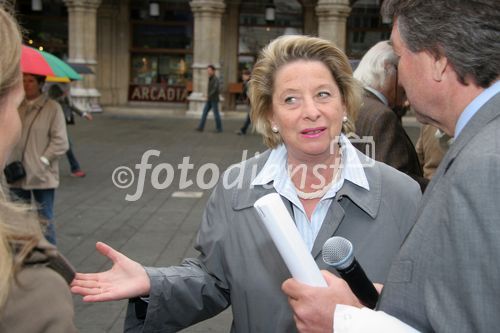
(286, 49)
(10, 70)
(19, 228)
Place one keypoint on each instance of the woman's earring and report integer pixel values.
(275, 129)
(344, 120)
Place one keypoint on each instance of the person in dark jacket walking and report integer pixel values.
(60, 95)
(245, 77)
(212, 101)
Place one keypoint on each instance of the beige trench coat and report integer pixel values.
(47, 138)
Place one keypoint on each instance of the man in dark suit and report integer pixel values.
(445, 275)
(378, 72)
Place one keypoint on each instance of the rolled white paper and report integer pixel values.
(287, 239)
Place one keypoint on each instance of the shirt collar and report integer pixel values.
(475, 105)
(378, 94)
(274, 168)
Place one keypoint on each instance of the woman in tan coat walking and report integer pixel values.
(43, 141)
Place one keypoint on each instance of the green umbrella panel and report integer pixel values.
(59, 67)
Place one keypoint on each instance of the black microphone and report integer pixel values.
(338, 252)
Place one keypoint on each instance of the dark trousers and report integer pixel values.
(214, 105)
(73, 162)
(45, 204)
(246, 125)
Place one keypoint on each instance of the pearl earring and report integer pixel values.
(344, 120)
(274, 129)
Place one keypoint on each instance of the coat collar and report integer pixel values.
(368, 201)
(37, 104)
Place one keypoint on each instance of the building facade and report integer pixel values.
(155, 53)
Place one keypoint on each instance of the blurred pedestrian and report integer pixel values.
(245, 76)
(212, 101)
(34, 277)
(43, 141)
(432, 145)
(61, 96)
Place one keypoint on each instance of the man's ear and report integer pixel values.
(438, 66)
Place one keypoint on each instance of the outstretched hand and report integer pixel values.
(126, 279)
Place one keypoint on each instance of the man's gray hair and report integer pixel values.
(467, 32)
(376, 65)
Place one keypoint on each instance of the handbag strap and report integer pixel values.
(39, 110)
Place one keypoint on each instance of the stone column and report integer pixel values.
(230, 52)
(207, 46)
(310, 21)
(332, 19)
(82, 40)
(113, 52)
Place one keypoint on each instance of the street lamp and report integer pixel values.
(154, 8)
(36, 5)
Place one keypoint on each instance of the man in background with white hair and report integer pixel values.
(378, 73)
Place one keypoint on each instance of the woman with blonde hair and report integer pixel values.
(34, 295)
(303, 100)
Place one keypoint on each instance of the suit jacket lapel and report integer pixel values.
(485, 114)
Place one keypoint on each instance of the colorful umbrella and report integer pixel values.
(43, 63)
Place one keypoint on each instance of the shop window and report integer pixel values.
(160, 78)
(164, 69)
(365, 28)
(162, 36)
(47, 29)
(255, 32)
(161, 53)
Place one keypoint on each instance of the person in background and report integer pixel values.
(303, 100)
(61, 96)
(34, 277)
(378, 72)
(212, 101)
(43, 141)
(444, 277)
(245, 76)
(432, 145)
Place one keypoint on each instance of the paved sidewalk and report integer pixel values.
(157, 229)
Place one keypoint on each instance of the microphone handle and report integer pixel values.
(360, 285)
